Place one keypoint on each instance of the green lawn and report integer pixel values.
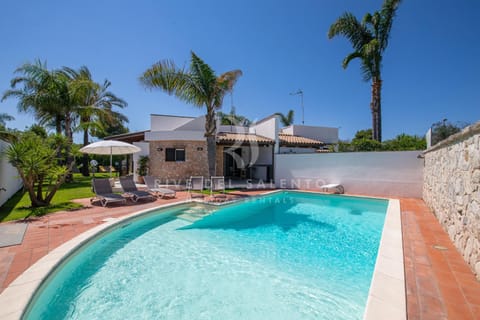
(18, 207)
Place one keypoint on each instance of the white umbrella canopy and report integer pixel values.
(110, 147)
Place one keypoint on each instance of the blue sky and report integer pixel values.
(431, 67)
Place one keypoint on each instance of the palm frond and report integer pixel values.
(350, 57)
(349, 26)
(287, 119)
(203, 77)
(166, 76)
(388, 12)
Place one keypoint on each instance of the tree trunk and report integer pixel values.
(29, 185)
(58, 131)
(85, 171)
(57, 185)
(376, 109)
(69, 135)
(58, 125)
(210, 134)
(212, 155)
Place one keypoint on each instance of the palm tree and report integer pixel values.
(93, 105)
(199, 86)
(286, 120)
(369, 39)
(43, 93)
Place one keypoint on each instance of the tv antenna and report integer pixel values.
(299, 92)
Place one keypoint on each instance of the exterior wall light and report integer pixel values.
(159, 149)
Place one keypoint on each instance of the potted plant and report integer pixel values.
(142, 168)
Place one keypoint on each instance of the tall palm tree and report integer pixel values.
(42, 92)
(200, 86)
(93, 105)
(287, 119)
(369, 39)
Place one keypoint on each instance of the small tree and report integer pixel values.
(404, 142)
(441, 130)
(142, 169)
(35, 158)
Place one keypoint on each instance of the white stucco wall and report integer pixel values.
(178, 135)
(266, 128)
(324, 134)
(269, 128)
(9, 178)
(165, 123)
(368, 173)
(197, 124)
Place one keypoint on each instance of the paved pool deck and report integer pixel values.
(439, 284)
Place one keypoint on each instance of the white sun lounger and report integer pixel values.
(338, 188)
(152, 187)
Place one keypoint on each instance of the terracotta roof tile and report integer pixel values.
(291, 140)
(228, 137)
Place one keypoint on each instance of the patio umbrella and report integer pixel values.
(110, 147)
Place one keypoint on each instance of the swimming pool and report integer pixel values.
(287, 255)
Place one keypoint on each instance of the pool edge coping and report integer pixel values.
(15, 298)
(381, 301)
(387, 294)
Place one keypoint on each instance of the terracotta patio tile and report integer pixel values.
(413, 308)
(459, 267)
(472, 294)
(466, 279)
(431, 308)
(476, 312)
(437, 282)
(10, 277)
(458, 311)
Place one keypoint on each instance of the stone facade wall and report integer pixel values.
(452, 190)
(195, 164)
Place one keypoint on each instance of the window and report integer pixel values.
(172, 154)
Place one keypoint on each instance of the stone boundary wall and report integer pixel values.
(451, 189)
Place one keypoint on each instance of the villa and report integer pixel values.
(177, 148)
(422, 269)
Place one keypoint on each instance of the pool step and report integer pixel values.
(188, 217)
(193, 214)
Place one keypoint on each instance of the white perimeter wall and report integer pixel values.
(9, 178)
(368, 173)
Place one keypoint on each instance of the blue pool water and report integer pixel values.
(288, 255)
